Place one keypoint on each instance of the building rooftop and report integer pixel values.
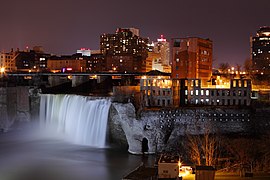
(169, 159)
(264, 31)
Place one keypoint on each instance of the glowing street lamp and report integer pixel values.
(2, 70)
(179, 164)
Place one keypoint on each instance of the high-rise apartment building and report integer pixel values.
(260, 51)
(192, 58)
(124, 47)
(124, 41)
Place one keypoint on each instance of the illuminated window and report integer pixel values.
(207, 92)
(197, 92)
(177, 59)
(196, 83)
(234, 83)
(191, 92)
(239, 93)
(245, 83)
(202, 92)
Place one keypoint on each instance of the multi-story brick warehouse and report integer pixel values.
(166, 92)
(192, 58)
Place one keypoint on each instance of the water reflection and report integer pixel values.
(26, 156)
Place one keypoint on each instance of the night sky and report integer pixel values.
(62, 26)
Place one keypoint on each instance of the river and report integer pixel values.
(26, 155)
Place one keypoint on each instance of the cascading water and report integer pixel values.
(79, 119)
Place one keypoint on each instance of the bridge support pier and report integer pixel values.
(78, 80)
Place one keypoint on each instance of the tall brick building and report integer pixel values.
(192, 58)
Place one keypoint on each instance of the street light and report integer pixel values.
(2, 70)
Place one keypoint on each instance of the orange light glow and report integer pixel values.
(2, 70)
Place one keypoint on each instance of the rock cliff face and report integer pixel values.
(157, 129)
(14, 106)
(162, 127)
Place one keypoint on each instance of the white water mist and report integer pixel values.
(77, 118)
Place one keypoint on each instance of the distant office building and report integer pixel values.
(159, 55)
(147, 64)
(260, 51)
(84, 52)
(124, 45)
(123, 63)
(96, 63)
(95, 51)
(192, 58)
(162, 46)
(7, 61)
(34, 60)
(154, 61)
(74, 63)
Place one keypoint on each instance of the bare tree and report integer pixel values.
(248, 66)
(238, 69)
(224, 67)
(203, 149)
(209, 148)
(245, 150)
(265, 149)
(193, 148)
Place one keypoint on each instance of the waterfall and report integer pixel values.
(79, 119)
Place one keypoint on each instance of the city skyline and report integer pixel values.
(62, 28)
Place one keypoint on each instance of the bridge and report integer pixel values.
(77, 78)
(86, 74)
